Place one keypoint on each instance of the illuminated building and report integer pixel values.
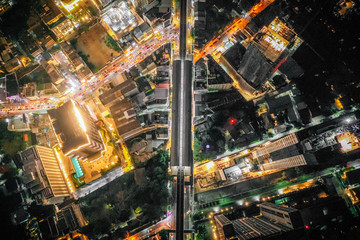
(354, 194)
(49, 12)
(55, 20)
(284, 153)
(224, 226)
(277, 145)
(42, 175)
(19, 123)
(70, 5)
(348, 142)
(76, 130)
(117, 18)
(72, 56)
(289, 162)
(62, 27)
(275, 38)
(262, 57)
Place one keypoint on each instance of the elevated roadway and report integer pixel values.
(181, 134)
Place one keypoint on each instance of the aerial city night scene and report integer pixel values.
(180, 119)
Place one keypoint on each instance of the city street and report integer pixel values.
(232, 29)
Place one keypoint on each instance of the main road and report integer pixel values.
(131, 57)
(181, 134)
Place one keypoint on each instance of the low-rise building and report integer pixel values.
(125, 118)
(19, 123)
(55, 76)
(142, 32)
(29, 91)
(119, 92)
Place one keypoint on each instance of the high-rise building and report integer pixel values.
(289, 162)
(277, 145)
(42, 175)
(255, 68)
(76, 131)
(224, 226)
(269, 49)
(286, 216)
(274, 221)
(284, 153)
(257, 228)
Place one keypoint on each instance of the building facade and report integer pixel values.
(42, 175)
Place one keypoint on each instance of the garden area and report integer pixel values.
(10, 142)
(124, 204)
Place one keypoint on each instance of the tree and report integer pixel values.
(163, 234)
(124, 215)
(197, 216)
(202, 233)
(110, 42)
(6, 158)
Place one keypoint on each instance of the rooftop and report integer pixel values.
(119, 17)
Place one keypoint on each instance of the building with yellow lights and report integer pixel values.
(56, 21)
(76, 131)
(272, 40)
(49, 12)
(270, 50)
(70, 5)
(42, 175)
